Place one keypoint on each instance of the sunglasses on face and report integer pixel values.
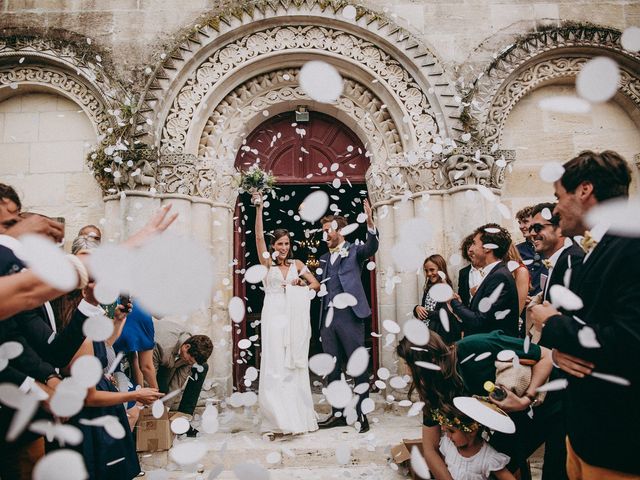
(538, 227)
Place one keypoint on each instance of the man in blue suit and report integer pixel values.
(342, 329)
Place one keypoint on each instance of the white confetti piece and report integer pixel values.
(553, 385)
(598, 79)
(416, 331)
(48, 262)
(322, 364)
(321, 81)
(61, 465)
(358, 362)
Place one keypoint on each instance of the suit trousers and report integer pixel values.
(191, 393)
(344, 335)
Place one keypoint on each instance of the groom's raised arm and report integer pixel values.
(370, 246)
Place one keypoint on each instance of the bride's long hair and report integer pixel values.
(277, 234)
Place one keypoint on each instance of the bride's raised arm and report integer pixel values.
(261, 245)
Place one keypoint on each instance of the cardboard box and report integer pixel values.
(153, 434)
(401, 454)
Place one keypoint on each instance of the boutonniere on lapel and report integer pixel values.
(344, 252)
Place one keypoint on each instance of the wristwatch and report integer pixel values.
(53, 375)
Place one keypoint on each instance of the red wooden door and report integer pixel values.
(303, 157)
(303, 153)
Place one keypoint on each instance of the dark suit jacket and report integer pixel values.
(475, 321)
(350, 272)
(463, 284)
(603, 417)
(571, 256)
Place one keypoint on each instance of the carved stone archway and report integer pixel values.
(385, 56)
(43, 64)
(542, 58)
(235, 114)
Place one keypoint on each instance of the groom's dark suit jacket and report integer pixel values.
(349, 271)
(475, 321)
(603, 417)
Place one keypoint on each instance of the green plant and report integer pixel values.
(254, 179)
(120, 157)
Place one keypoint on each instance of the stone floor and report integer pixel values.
(238, 445)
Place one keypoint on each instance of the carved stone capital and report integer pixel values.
(476, 165)
(187, 174)
(467, 165)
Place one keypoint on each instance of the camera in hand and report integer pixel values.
(125, 301)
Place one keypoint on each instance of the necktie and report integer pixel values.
(588, 243)
(547, 263)
(334, 250)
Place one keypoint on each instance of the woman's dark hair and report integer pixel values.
(277, 234)
(436, 388)
(439, 262)
(608, 172)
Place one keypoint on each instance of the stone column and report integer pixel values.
(384, 272)
(406, 290)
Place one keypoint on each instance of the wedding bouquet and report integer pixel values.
(256, 180)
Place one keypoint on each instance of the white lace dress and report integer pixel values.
(284, 392)
(477, 467)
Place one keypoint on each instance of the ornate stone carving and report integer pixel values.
(538, 59)
(222, 134)
(468, 165)
(188, 174)
(58, 65)
(63, 83)
(471, 165)
(179, 64)
(232, 56)
(531, 78)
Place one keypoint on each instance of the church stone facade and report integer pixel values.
(443, 95)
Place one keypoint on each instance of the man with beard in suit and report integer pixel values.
(342, 330)
(495, 304)
(601, 341)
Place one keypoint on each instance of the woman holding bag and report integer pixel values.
(464, 367)
(284, 392)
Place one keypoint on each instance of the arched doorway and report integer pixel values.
(321, 153)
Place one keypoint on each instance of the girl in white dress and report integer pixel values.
(469, 457)
(284, 392)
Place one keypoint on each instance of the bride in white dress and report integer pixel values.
(284, 392)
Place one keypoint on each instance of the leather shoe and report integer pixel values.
(332, 422)
(364, 424)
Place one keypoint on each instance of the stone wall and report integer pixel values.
(134, 32)
(43, 141)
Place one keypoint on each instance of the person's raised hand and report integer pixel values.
(37, 224)
(256, 200)
(369, 212)
(575, 366)
(158, 223)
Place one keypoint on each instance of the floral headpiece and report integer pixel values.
(452, 421)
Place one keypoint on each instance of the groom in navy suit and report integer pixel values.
(343, 333)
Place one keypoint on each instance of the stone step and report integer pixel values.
(238, 441)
